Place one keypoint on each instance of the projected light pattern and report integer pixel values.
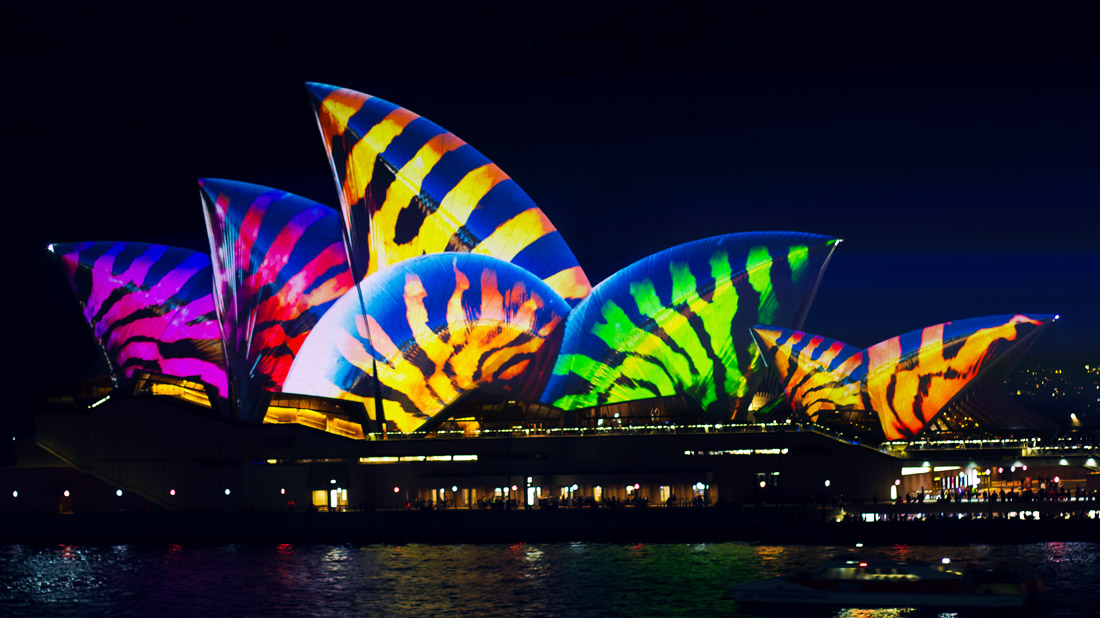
(907, 380)
(408, 187)
(441, 325)
(279, 264)
(911, 377)
(150, 308)
(678, 321)
(818, 374)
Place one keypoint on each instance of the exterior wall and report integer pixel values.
(149, 447)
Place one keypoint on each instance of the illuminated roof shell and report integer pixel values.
(907, 380)
(409, 187)
(441, 325)
(677, 322)
(279, 264)
(818, 374)
(150, 308)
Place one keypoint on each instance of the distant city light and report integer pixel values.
(897, 481)
(332, 481)
(763, 484)
(15, 494)
(282, 491)
(171, 492)
(227, 491)
(65, 493)
(396, 489)
(118, 492)
(454, 488)
(946, 561)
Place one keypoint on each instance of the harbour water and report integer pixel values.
(561, 579)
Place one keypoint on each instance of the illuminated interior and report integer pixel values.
(408, 188)
(325, 415)
(168, 386)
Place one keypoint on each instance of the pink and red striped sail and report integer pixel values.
(279, 264)
(150, 307)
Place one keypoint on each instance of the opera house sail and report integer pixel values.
(436, 327)
(677, 322)
(906, 380)
(397, 352)
(408, 187)
(279, 264)
(150, 309)
(438, 280)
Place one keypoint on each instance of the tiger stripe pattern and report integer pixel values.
(150, 308)
(279, 264)
(912, 377)
(408, 188)
(906, 380)
(437, 326)
(678, 322)
(818, 374)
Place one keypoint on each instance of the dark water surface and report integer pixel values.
(569, 580)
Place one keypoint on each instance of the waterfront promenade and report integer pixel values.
(889, 524)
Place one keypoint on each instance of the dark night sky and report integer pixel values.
(957, 154)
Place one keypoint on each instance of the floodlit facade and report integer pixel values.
(465, 290)
(440, 301)
(907, 380)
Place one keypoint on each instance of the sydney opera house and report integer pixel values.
(435, 339)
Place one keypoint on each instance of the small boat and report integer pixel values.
(866, 580)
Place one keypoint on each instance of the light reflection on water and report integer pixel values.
(567, 579)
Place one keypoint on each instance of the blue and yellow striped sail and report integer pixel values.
(437, 326)
(678, 322)
(408, 188)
